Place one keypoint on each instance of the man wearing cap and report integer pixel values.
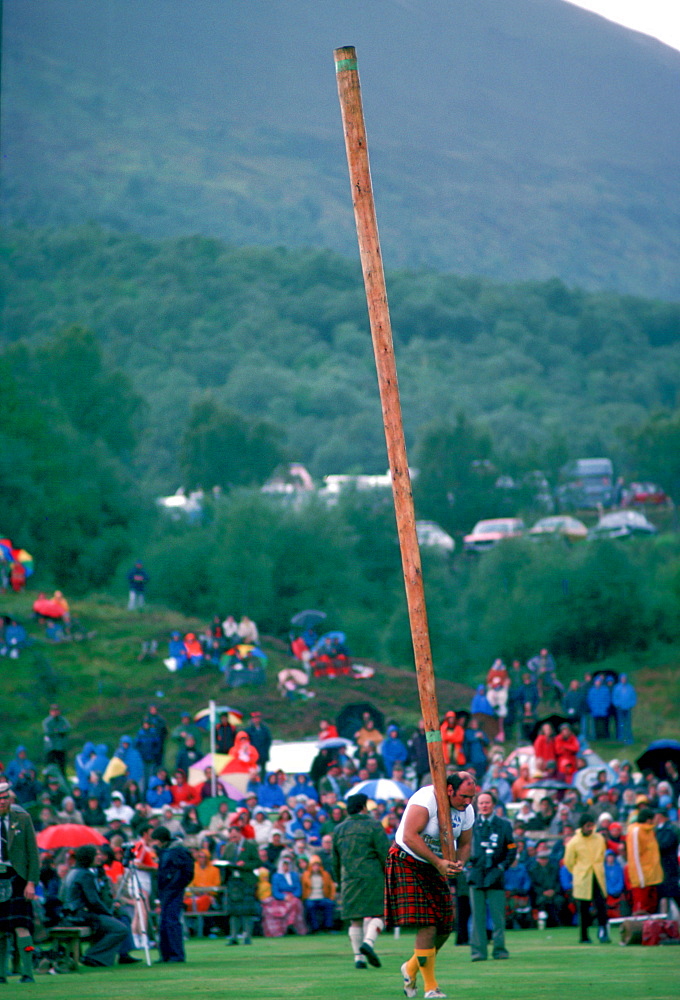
(493, 851)
(359, 850)
(55, 733)
(417, 892)
(175, 872)
(19, 873)
(241, 854)
(261, 738)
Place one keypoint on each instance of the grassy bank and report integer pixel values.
(104, 687)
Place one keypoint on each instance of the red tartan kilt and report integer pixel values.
(416, 895)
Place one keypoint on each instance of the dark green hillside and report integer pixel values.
(282, 336)
(518, 140)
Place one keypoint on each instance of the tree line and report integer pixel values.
(131, 367)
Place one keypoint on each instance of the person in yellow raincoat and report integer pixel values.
(584, 858)
(643, 864)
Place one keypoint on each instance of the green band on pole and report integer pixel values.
(342, 64)
(434, 736)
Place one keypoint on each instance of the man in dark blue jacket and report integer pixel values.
(175, 871)
(493, 851)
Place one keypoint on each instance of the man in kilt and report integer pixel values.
(19, 873)
(417, 892)
(360, 847)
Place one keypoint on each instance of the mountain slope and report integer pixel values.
(521, 140)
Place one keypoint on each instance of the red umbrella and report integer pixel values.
(68, 835)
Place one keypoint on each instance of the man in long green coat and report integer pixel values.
(360, 847)
(242, 905)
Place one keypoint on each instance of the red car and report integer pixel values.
(643, 493)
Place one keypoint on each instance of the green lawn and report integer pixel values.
(543, 965)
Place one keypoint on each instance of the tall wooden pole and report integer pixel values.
(381, 332)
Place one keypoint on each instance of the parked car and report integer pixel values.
(586, 484)
(559, 526)
(431, 535)
(622, 524)
(486, 534)
(643, 493)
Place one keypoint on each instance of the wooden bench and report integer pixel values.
(69, 938)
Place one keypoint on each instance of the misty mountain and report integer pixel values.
(515, 140)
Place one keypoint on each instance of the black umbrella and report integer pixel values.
(351, 718)
(606, 675)
(555, 721)
(307, 619)
(656, 755)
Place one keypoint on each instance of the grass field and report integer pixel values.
(544, 965)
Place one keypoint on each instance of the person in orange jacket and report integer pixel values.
(453, 737)
(643, 865)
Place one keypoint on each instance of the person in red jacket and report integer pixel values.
(184, 794)
(544, 746)
(567, 749)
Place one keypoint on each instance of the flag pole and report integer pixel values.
(349, 92)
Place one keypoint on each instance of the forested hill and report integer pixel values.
(551, 372)
(522, 139)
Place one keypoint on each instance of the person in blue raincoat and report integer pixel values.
(84, 763)
(303, 786)
(18, 765)
(393, 750)
(130, 756)
(624, 700)
(599, 703)
(480, 704)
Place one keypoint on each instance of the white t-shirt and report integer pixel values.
(425, 797)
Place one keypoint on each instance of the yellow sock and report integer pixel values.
(412, 965)
(426, 958)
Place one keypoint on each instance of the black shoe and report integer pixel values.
(2, 980)
(92, 962)
(27, 979)
(128, 960)
(367, 950)
(359, 963)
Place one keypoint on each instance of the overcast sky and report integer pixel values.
(659, 18)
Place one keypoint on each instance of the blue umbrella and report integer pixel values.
(382, 789)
